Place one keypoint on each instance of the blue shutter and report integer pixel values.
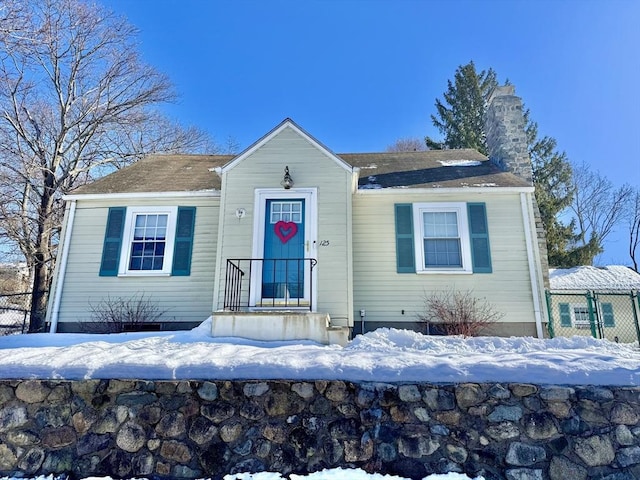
(405, 259)
(113, 242)
(479, 238)
(183, 245)
(607, 315)
(565, 315)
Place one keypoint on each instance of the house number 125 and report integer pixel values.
(324, 243)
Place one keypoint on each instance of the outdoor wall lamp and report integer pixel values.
(287, 181)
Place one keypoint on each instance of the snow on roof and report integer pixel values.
(612, 277)
(460, 163)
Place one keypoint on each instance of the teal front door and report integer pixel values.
(283, 269)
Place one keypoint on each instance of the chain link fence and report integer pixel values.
(14, 313)
(610, 315)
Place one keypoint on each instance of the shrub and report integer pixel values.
(116, 315)
(457, 313)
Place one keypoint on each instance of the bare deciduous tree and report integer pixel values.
(75, 99)
(597, 206)
(633, 216)
(408, 144)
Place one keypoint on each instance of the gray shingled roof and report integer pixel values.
(162, 173)
(433, 168)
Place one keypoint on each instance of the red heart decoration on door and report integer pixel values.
(285, 230)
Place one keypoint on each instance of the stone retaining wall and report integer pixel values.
(190, 429)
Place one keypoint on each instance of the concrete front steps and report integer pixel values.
(274, 325)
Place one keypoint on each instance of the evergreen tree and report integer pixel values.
(552, 178)
(461, 115)
(461, 122)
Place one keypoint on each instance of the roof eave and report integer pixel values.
(141, 195)
(436, 189)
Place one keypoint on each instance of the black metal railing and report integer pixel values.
(281, 283)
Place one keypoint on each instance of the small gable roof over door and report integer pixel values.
(287, 123)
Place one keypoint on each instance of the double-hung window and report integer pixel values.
(442, 237)
(442, 240)
(581, 316)
(148, 241)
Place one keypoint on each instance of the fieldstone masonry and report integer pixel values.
(195, 429)
(505, 133)
(508, 148)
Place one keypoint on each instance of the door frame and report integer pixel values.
(261, 195)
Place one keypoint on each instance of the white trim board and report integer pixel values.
(139, 195)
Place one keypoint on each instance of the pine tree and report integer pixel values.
(461, 122)
(461, 117)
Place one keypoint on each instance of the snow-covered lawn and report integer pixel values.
(386, 355)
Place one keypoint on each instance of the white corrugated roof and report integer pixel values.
(612, 277)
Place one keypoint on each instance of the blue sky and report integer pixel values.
(357, 75)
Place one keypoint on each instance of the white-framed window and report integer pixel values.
(441, 238)
(580, 316)
(148, 240)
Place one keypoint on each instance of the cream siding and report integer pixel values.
(310, 167)
(185, 299)
(385, 294)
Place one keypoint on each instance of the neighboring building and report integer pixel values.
(595, 301)
(289, 240)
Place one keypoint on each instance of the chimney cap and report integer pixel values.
(502, 91)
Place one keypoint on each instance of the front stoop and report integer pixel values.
(277, 325)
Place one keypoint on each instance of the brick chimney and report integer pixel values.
(505, 130)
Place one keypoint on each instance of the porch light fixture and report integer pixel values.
(287, 181)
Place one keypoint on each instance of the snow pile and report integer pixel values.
(613, 277)
(386, 355)
(334, 474)
(342, 474)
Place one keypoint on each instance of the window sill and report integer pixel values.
(445, 272)
(144, 274)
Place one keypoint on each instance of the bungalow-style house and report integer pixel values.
(595, 301)
(289, 240)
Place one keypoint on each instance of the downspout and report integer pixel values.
(215, 301)
(62, 268)
(533, 275)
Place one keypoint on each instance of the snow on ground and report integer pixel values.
(334, 474)
(386, 355)
(10, 317)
